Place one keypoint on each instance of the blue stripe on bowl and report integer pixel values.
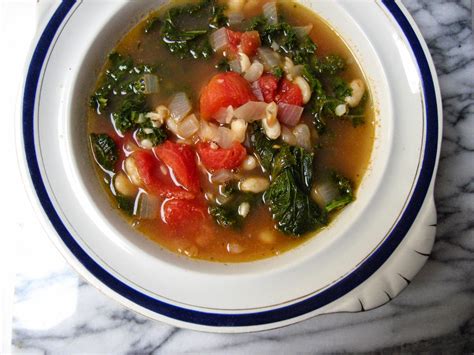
(362, 273)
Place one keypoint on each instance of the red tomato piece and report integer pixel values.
(156, 177)
(224, 89)
(181, 160)
(289, 93)
(220, 158)
(183, 213)
(250, 42)
(268, 85)
(234, 41)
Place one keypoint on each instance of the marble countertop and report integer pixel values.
(56, 311)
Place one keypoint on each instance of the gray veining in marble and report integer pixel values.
(436, 311)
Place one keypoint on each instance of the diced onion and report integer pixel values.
(288, 114)
(302, 31)
(150, 82)
(270, 12)
(275, 46)
(207, 131)
(180, 106)
(148, 206)
(270, 58)
(303, 136)
(224, 115)
(224, 137)
(257, 91)
(235, 18)
(251, 111)
(287, 135)
(222, 176)
(234, 248)
(172, 125)
(235, 66)
(254, 72)
(188, 126)
(219, 39)
(324, 192)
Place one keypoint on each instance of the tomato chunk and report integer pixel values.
(223, 90)
(178, 213)
(181, 160)
(289, 93)
(250, 42)
(234, 41)
(156, 177)
(268, 85)
(220, 158)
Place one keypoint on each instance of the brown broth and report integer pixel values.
(344, 148)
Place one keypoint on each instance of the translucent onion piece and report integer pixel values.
(270, 12)
(275, 46)
(207, 131)
(251, 111)
(188, 126)
(288, 114)
(224, 115)
(222, 176)
(257, 91)
(324, 192)
(235, 248)
(180, 106)
(219, 39)
(302, 31)
(270, 58)
(235, 66)
(150, 82)
(287, 135)
(235, 18)
(224, 137)
(254, 72)
(148, 206)
(303, 136)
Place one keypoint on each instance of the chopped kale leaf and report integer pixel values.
(104, 150)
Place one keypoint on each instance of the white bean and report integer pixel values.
(340, 110)
(304, 87)
(132, 171)
(244, 209)
(287, 135)
(244, 62)
(358, 89)
(123, 185)
(303, 136)
(234, 248)
(288, 68)
(249, 163)
(239, 128)
(254, 184)
(270, 124)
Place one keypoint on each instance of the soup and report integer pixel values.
(231, 131)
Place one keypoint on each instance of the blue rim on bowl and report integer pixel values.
(332, 293)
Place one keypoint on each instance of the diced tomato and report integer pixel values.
(220, 158)
(179, 213)
(268, 85)
(289, 93)
(224, 89)
(250, 42)
(156, 177)
(181, 159)
(234, 41)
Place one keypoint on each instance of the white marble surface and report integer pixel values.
(55, 311)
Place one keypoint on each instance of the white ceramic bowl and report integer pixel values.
(365, 258)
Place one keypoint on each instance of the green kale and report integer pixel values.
(223, 65)
(357, 114)
(151, 24)
(263, 146)
(225, 217)
(104, 150)
(126, 204)
(128, 113)
(155, 135)
(278, 72)
(345, 190)
(192, 42)
(329, 65)
(283, 34)
(292, 209)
